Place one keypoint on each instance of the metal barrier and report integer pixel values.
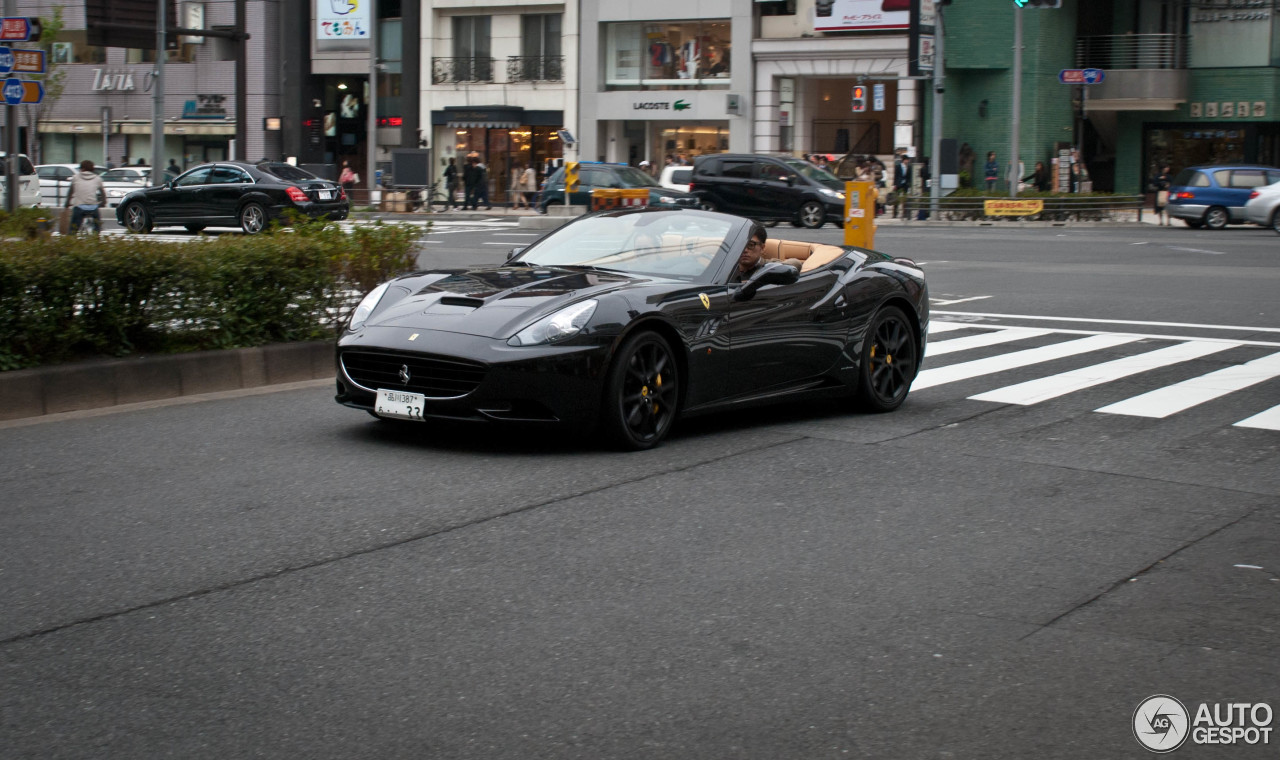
(605, 198)
(1056, 208)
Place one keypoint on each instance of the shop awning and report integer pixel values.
(479, 117)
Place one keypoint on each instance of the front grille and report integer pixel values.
(434, 376)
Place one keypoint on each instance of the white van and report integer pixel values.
(28, 184)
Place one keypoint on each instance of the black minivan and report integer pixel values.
(768, 188)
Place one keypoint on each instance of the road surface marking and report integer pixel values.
(941, 327)
(1111, 321)
(1042, 389)
(1195, 250)
(950, 374)
(1007, 335)
(1198, 390)
(1268, 420)
(958, 300)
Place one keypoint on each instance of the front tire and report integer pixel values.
(642, 393)
(1216, 218)
(253, 218)
(890, 360)
(812, 215)
(136, 218)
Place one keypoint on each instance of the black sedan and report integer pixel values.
(626, 320)
(232, 194)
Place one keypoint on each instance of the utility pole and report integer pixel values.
(935, 143)
(157, 97)
(1017, 101)
(371, 119)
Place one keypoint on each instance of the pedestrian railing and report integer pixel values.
(1053, 208)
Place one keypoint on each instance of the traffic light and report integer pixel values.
(859, 98)
(571, 177)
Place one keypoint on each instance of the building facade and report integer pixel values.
(659, 78)
(104, 112)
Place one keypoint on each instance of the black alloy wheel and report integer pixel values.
(136, 218)
(813, 215)
(889, 363)
(1216, 218)
(1275, 221)
(194, 229)
(642, 393)
(253, 219)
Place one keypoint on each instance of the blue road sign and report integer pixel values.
(1082, 76)
(13, 91)
(6, 60)
(1094, 76)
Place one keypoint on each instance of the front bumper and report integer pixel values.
(526, 384)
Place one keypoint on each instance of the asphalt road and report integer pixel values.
(267, 574)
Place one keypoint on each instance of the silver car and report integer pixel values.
(1263, 207)
(123, 180)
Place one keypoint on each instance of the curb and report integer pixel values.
(110, 382)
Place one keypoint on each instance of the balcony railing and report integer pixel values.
(445, 70)
(1132, 51)
(535, 68)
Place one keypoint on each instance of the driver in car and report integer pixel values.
(752, 257)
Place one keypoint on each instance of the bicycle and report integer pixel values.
(86, 215)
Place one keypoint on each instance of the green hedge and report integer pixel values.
(67, 298)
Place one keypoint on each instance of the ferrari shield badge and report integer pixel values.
(705, 299)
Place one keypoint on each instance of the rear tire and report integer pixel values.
(812, 215)
(136, 218)
(642, 393)
(889, 361)
(253, 219)
(706, 205)
(1216, 218)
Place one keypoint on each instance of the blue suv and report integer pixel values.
(1213, 196)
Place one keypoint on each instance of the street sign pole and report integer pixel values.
(157, 99)
(11, 137)
(935, 144)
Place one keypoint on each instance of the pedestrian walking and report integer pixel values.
(470, 183)
(524, 179)
(1161, 184)
(451, 183)
(482, 186)
(991, 172)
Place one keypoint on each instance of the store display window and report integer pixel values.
(657, 55)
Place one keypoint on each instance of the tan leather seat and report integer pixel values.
(771, 247)
(821, 254)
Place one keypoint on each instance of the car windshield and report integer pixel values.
(122, 175)
(809, 171)
(633, 177)
(287, 172)
(674, 244)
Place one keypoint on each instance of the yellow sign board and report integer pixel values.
(1012, 207)
(860, 214)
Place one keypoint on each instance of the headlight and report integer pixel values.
(565, 323)
(831, 193)
(116, 193)
(667, 199)
(366, 307)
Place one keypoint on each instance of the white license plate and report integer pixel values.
(325, 195)
(400, 405)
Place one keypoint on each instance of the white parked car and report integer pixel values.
(123, 180)
(676, 177)
(55, 182)
(1263, 207)
(28, 184)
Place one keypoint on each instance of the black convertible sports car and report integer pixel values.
(625, 320)
(232, 194)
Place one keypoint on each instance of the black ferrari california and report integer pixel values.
(232, 194)
(624, 321)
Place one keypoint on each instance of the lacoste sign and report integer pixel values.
(661, 105)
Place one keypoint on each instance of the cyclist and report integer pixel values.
(85, 196)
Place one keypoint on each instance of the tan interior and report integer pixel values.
(813, 255)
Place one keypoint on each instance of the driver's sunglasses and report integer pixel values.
(756, 243)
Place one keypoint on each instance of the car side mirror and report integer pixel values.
(773, 273)
(514, 252)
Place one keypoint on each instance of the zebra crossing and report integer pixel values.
(952, 359)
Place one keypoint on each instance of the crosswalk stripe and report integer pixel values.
(1006, 335)
(936, 327)
(1268, 420)
(1042, 389)
(1198, 390)
(965, 370)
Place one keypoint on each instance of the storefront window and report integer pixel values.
(505, 152)
(686, 141)
(665, 56)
